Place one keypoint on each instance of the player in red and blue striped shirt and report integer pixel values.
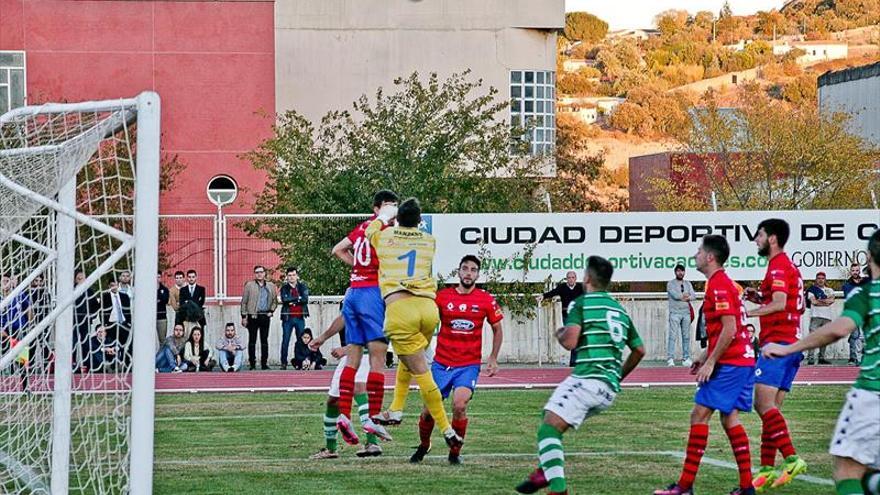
(463, 309)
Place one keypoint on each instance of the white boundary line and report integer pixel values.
(487, 455)
(500, 386)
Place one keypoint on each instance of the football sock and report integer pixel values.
(696, 447)
(739, 442)
(375, 392)
(346, 390)
(432, 399)
(871, 482)
(401, 387)
(768, 446)
(426, 426)
(849, 487)
(363, 407)
(460, 427)
(330, 426)
(551, 456)
(779, 431)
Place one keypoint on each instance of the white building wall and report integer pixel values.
(859, 98)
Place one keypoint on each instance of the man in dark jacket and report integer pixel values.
(116, 316)
(162, 297)
(191, 301)
(567, 292)
(855, 338)
(294, 310)
(86, 308)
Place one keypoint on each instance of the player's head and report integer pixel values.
(772, 233)
(382, 198)
(409, 213)
(679, 271)
(874, 254)
(597, 276)
(468, 271)
(712, 253)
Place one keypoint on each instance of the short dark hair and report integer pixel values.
(384, 196)
(409, 213)
(856, 264)
(600, 271)
(777, 227)
(679, 267)
(874, 247)
(258, 267)
(291, 268)
(191, 271)
(178, 272)
(717, 245)
(473, 259)
(230, 324)
(181, 325)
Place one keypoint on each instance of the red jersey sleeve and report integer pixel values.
(724, 300)
(493, 310)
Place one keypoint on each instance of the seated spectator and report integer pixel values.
(230, 350)
(305, 358)
(196, 354)
(102, 356)
(170, 356)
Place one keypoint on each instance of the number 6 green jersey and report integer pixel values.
(863, 308)
(606, 329)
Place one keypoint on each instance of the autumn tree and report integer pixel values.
(583, 26)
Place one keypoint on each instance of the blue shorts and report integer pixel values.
(449, 378)
(729, 388)
(778, 372)
(364, 313)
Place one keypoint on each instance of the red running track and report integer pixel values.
(291, 381)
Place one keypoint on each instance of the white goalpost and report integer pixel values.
(79, 196)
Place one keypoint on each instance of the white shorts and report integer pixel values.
(361, 376)
(576, 399)
(857, 434)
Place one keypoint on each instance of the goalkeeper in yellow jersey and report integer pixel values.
(406, 260)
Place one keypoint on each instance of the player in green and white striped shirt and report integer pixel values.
(856, 441)
(598, 329)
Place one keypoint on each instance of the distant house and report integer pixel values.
(632, 34)
(854, 91)
(607, 105)
(574, 65)
(814, 51)
(587, 113)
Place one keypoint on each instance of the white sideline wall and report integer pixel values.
(525, 342)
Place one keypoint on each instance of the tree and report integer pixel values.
(630, 117)
(440, 141)
(772, 23)
(583, 26)
(801, 91)
(671, 22)
(769, 155)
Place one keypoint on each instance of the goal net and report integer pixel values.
(78, 220)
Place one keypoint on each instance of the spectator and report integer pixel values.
(294, 310)
(230, 350)
(257, 305)
(305, 358)
(752, 337)
(125, 286)
(567, 292)
(680, 293)
(196, 354)
(116, 311)
(86, 307)
(191, 301)
(174, 291)
(170, 356)
(819, 300)
(103, 352)
(15, 316)
(163, 295)
(855, 338)
(41, 299)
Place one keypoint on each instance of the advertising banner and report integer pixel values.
(645, 246)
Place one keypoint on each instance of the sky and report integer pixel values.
(627, 14)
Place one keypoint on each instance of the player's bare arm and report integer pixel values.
(497, 338)
(344, 250)
(825, 335)
(635, 357)
(334, 328)
(776, 304)
(568, 336)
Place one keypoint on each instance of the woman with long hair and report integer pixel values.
(196, 353)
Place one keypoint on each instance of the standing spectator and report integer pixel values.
(680, 293)
(125, 286)
(819, 300)
(170, 356)
(294, 310)
(116, 311)
(567, 292)
(257, 305)
(196, 354)
(174, 291)
(163, 295)
(103, 352)
(40, 298)
(855, 338)
(230, 350)
(191, 301)
(86, 308)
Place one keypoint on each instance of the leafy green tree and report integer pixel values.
(583, 26)
(440, 141)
